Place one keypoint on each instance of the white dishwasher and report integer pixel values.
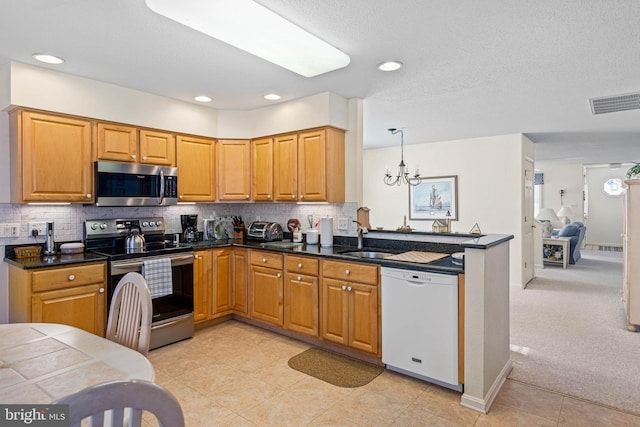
(420, 325)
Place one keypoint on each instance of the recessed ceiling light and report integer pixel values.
(242, 23)
(49, 59)
(202, 98)
(272, 97)
(390, 66)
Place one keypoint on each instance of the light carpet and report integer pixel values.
(569, 333)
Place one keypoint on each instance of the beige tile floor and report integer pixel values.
(234, 374)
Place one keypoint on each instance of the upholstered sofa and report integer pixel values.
(576, 231)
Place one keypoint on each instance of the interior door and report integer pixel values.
(528, 224)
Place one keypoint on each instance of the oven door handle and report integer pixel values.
(136, 265)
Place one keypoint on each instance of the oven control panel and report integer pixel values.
(100, 228)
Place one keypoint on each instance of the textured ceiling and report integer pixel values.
(472, 68)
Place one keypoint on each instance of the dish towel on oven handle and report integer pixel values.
(157, 273)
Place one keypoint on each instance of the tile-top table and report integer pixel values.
(41, 362)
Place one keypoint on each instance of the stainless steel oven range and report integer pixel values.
(173, 312)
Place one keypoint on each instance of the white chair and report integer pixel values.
(123, 403)
(131, 313)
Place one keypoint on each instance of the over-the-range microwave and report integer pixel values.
(130, 184)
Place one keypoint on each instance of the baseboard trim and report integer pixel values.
(483, 405)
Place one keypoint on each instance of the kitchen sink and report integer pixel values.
(366, 254)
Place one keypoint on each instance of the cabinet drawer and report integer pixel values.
(352, 272)
(303, 265)
(66, 277)
(266, 259)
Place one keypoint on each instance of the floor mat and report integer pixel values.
(335, 369)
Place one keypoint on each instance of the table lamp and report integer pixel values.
(545, 216)
(564, 214)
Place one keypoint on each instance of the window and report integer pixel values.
(613, 187)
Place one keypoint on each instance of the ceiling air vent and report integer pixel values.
(610, 104)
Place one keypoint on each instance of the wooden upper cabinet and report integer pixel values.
(196, 169)
(50, 158)
(157, 148)
(116, 142)
(234, 169)
(262, 171)
(321, 166)
(129, 144)
(285, 166)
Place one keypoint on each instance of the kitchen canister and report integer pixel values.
(312, 236)
(326, 232)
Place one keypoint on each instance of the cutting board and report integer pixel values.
(417, 256)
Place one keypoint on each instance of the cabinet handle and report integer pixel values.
(144, 158)
(278, 275)
(72, 277)
(349, 288)
(133, 156)
(101, 290)
(347, 272)
(298, 278)
(301, 196)
(246, 196)
(264, 260)
(293, 196)
(268, 196)
(181, 196)
(300, 265)
(88, 195)
(344, 287)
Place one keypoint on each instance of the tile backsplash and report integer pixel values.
(69, 219)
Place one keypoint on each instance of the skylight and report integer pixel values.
(257, 30)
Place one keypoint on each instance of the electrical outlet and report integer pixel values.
(40, 226)
(343, 224)
(9, 229)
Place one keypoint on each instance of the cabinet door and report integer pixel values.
(82, 307)
(266, 295)
(240, 280)
(334, 311)
(196, 168)
(51, 160)
(262, 171)
(116, 142)
(312, 184)
(285, 167)
(222, 275)
(234, 169)
(202, 285)
(157, 148)
(301, 304)
(363, 325)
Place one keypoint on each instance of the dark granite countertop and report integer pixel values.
(455, 243)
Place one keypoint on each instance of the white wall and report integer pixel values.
(490, 185)
(570, 178)
(605, 213)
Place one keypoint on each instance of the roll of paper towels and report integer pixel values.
(326, 232)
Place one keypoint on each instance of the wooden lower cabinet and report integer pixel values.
(266, 287)
(240, 282)
(219, 283)
(349, 307)
(222, 280)
(301, 295)
(202, 285)
(71, 295)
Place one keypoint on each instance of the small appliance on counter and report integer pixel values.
(265, 231)
(189, 227)
(49, 245)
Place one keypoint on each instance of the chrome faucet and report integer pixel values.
(360, 237)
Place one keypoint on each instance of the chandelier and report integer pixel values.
(403, 170)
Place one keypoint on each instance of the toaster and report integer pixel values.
(265, 231)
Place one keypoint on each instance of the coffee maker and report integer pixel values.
(189, 228)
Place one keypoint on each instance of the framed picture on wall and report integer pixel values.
(433, 198)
